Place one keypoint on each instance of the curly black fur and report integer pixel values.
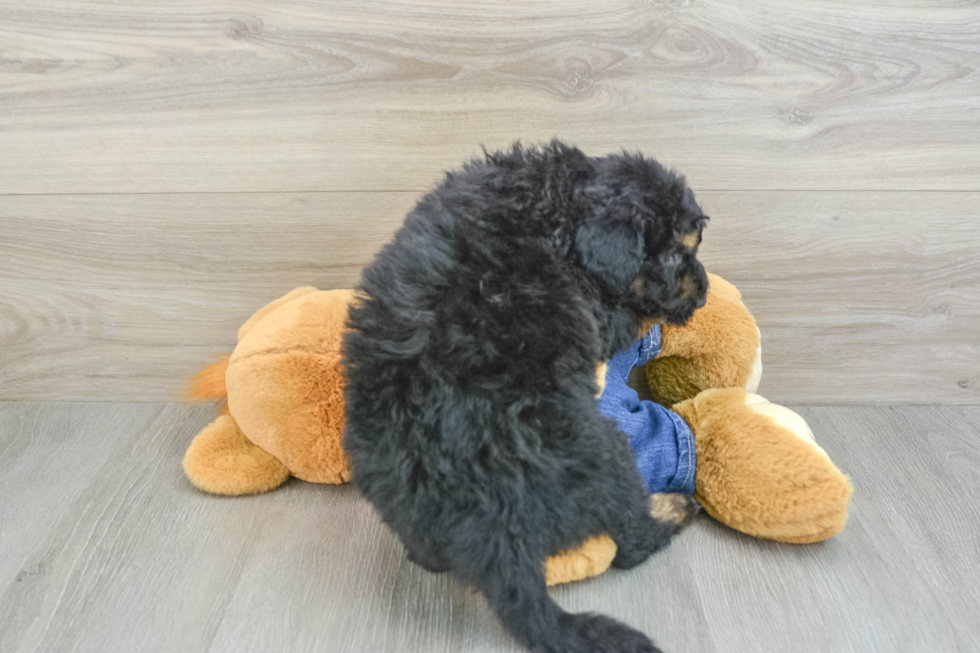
(472, 424)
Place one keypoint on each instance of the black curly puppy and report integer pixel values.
(472, 423)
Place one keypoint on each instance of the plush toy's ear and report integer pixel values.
(612, 250)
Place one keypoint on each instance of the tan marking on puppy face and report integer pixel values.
(676, 508)
(648, 323)
(600, 377)
(691, 240)
(688, 287)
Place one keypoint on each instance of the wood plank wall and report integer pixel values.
(167, 167)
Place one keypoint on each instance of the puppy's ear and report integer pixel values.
(612, 250)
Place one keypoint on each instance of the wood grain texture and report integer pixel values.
(123, 296)
(310, 95)
(894, 579)
(861, 297)
(104, 546)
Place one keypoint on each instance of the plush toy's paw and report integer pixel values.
(760, 471)
(221, 460)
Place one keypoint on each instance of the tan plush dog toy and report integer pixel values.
(759, 469)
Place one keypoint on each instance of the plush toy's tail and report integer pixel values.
(209, 383)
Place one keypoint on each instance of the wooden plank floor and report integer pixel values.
(104, 546)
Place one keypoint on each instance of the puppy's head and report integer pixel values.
(640, 238)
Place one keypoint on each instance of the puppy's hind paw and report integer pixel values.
(678, 509)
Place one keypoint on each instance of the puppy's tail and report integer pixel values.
(209, 383)
(514, 585)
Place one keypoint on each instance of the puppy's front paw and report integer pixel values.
(678, 509)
